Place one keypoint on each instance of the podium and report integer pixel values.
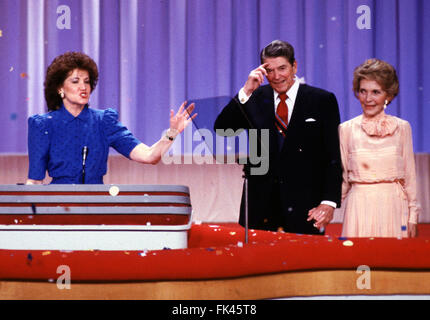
(94, 217)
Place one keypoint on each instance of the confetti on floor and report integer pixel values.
(348, 243)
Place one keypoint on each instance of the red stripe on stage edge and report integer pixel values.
(94, 219)
(89, 193)
(56, 204)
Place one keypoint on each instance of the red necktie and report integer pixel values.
(282, 114)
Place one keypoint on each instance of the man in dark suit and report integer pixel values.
(303, 184)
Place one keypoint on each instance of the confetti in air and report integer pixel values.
(23, 75)
(301, 79)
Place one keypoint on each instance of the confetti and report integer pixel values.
(10, 69)
(113, 191)
(348, 243)
(1, 33)
(45, 253)
(232, 233)
(302, 80)
(404, 228)
(23, 75)
(240, 244)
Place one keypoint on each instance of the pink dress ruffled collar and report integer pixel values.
(379, 126)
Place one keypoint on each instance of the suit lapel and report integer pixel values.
(298, 111)
(266, 108)
(296, 122)
(266, 116)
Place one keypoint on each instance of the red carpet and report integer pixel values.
(217, 252)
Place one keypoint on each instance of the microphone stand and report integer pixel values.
(245, 171)
(245, 176)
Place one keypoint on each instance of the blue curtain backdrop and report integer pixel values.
(154, 54)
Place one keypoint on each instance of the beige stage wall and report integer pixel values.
(215, 188)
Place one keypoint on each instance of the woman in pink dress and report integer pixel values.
(379, 181)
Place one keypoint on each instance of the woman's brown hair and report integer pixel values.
(59, 70)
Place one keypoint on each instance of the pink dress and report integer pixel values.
(379, 180)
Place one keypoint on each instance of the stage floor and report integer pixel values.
(218, 265)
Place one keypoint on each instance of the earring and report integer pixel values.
(385, 103)
(62, 94)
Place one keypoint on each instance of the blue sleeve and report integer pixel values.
(38, 147)
(118, 136)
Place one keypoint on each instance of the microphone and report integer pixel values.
(84, 154)
(84, 158)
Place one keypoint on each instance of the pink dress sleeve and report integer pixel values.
(343, 139)
(410, 184)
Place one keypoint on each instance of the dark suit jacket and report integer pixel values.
(304, 167)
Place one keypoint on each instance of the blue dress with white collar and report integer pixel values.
(56, 140)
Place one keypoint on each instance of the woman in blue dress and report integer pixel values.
(59, 140)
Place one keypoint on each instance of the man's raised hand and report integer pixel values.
(255, 79)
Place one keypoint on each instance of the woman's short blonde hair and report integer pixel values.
(380, 71)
